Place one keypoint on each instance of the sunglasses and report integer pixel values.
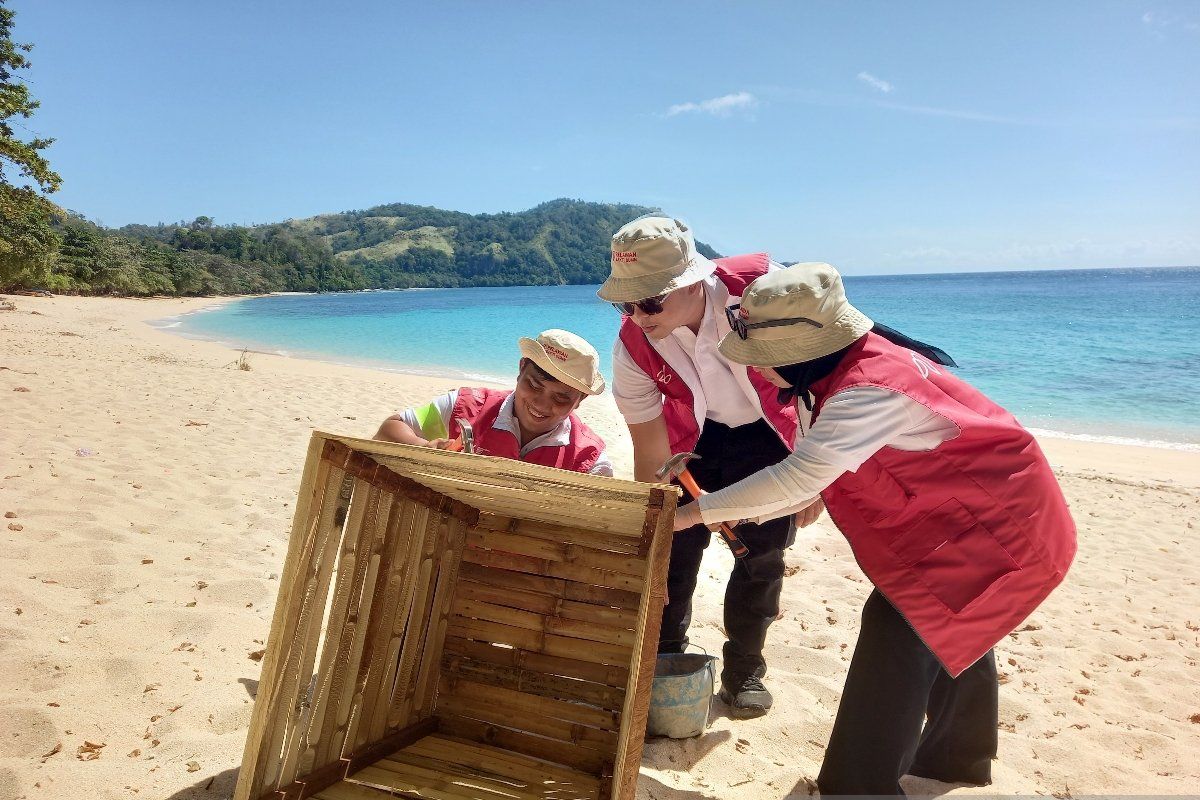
(651, 305)
(743, 328)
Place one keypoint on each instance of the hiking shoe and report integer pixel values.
(746, 699)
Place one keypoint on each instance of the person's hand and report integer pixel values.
(439, 444)
(808, 515)
(687, 517)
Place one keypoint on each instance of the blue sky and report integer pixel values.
(881, 137)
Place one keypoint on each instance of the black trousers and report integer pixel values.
(894, 683)
(752, 595)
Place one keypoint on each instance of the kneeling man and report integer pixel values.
(535, 422)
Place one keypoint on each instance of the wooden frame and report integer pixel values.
(456, 626)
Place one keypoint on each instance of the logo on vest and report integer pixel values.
(663, 376)
(924, 367)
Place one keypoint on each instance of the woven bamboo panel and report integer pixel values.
(458, 626)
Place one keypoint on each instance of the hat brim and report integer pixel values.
(533, 350)
(808, 343)
(632, 289)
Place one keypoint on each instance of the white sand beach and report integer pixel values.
(147, 485)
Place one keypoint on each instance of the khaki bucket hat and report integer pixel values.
(793, 315)
(567, 357)
(652, 256)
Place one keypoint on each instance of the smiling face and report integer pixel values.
(540, 403)
(681, 307)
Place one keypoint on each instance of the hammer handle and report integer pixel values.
(736, 545)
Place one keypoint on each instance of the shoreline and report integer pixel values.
(148, 488)
(1040, 433)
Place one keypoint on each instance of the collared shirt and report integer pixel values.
(853, 425)
(433, 422)
(721, 391)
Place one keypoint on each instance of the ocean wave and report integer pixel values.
(1160, 444)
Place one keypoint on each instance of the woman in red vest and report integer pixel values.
(535, 422)
(949, 505)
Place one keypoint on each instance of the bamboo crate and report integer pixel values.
(454, 626)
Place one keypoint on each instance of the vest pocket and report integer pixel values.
(953, 555)
(877, 495)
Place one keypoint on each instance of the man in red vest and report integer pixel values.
(535, 422)
(679, 394)
(949, 505)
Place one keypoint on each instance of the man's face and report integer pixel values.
(680, 307)
(541, 403)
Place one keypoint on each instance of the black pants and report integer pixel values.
(893, 684)
(752, 596)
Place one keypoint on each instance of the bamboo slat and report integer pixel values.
(389, 623)
(282, 751)
(580, 758)
(414, 642)
(344, 685)
(352, 791)
(532, 704)
(550, 623)
(564, 552)
(539, 683)
(339, 632)
(584, 671)
(656, 536)
(555, 569)
(557, 587)
(511, 608)
(482, 757)
(547, 604)
(439, 618)
(250, 783)
(537, 641)
(515, 719)
(616, 542)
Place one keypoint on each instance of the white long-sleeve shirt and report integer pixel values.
(721, 391)
(853, 425)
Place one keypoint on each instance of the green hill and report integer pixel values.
(390, 246)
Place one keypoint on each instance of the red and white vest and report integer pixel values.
(965, 540)
(480, 407)
(683, 429)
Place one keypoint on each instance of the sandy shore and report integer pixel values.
(147, 488)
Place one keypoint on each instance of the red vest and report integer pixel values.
(736, 272)
(480, 407)
(965, 540)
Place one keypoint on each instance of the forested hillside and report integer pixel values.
(392, 246)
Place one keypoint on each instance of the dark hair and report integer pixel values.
(806, 373)
(546, 376)
(541, 373)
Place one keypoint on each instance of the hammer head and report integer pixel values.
(674, 466)
(467, 435)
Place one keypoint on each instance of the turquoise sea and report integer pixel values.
(1113, 354)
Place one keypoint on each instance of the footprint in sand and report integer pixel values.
(124, 676)
(237, 593)
(26, 733)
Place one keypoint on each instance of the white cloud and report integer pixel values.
(875, 83)
(1159, 23)
(722, 106)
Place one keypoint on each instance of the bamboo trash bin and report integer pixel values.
(457, 626)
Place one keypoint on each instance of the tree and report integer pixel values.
(28, 241)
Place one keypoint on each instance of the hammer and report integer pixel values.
(676, 467)
(465, 443)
